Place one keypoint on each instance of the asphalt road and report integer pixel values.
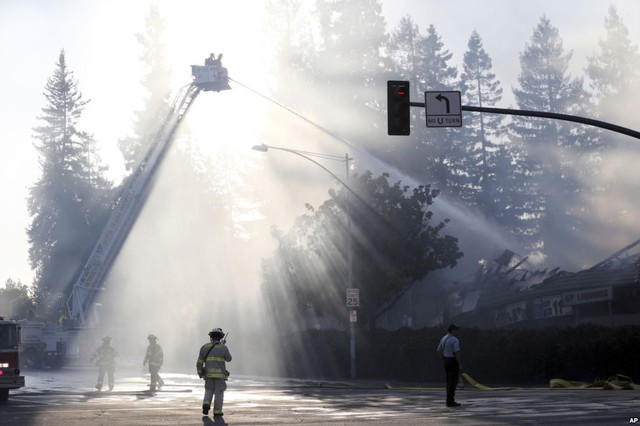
(65, 397)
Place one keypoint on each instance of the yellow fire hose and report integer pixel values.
(619, 381)
(479, 386)
(474, 384)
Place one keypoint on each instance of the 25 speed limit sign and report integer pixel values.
(353, 298)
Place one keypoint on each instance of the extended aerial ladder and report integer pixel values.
(210, 77)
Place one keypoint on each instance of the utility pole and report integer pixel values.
(353, 315)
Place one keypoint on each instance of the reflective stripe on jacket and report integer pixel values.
(214, 364)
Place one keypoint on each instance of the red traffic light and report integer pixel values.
(398, 106)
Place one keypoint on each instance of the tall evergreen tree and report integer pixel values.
(403, 50)
(157, 84)
(548, 183)
(614, 72)
(289, 25)
(441, 149)
(348, 63)
(69, 202)
(482, 132)
(614, 75)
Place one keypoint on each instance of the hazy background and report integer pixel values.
(205, 275)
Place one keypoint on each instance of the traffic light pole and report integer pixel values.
(553, 115)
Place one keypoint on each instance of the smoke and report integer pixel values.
(189, 266)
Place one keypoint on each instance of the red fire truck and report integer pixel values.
(10, 377)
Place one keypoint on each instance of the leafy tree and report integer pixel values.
(16, 300)
(547, 149)
(69, 202)
(393, 244)
(156, 82)
(482, 132)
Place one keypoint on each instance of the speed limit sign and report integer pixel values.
(353, 298)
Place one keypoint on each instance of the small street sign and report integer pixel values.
(443, 109)
(353, 298)
(353, 315)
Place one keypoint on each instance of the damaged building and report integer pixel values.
(509, 294)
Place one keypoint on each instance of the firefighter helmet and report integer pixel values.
(106, 339)
(152, 337)
(216, 333)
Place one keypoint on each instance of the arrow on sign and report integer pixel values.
(444, 98)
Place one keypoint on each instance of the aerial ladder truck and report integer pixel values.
(211, 76)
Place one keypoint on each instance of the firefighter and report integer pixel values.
(154, 357)
(105, 360)
(212, 368)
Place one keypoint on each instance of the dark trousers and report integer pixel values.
(452, 371)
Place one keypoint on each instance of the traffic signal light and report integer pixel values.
(398, 116)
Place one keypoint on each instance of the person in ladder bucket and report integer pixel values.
(155, 358)
(212, 368)
(105, 360)
(449, 350)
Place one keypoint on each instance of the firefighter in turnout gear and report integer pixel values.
(155, 358)
(212, 368)
(105, 360)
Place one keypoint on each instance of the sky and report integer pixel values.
(101, 50)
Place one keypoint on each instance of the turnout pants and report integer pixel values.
(102, 369)
(214, 390)
(155, 377)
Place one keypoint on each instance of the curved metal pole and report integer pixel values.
(352, 329)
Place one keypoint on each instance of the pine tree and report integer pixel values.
(288, 24)
(481, 131)
(546, 149)
(157, 84)
(69, 202)
(441, 148)
(615, 70)
(403, 58)
(403, 50)
(348, 62)
(614, 75)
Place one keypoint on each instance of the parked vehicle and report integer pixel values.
(44, 345)
(10, 377)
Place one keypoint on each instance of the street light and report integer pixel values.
(306, 155)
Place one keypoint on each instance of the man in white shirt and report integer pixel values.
(449, 350)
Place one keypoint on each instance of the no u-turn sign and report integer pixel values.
(443, 109)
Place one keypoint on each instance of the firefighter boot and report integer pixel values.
(205, 408)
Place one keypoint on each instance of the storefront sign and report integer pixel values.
(598, 294)
(549, 306)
